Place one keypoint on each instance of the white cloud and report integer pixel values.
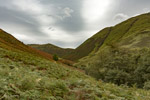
(33, 7)
(146, 10)
(64, 22)
(120, 17)
(65, 12)
(93, 10)
(45, 20)
(45, 17)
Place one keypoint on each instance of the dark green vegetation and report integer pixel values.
(121, 66)
(55, 57)
(27, 75)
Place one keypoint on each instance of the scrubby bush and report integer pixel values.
(55, 57)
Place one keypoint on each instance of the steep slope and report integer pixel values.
(9, 42)
(26, 76)
(52, 49)
(132, 33)
(124, 56)
(89, 46)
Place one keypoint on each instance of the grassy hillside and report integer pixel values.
(90, 45)
(124, 56)
(25, 76)
(132, 33)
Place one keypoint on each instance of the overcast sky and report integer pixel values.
(65, 23)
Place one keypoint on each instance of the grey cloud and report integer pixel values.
(132, 6)
(127, 7)
(66, 44)
(72, 24)
(67, 16)
(8, 16)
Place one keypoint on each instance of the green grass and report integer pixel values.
(131, 32)
(24, 76)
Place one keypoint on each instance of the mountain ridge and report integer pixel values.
(121, 34)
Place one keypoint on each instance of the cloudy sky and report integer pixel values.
(65, 23)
